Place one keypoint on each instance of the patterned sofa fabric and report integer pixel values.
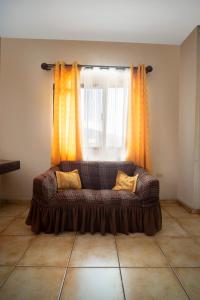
(95, 208)
(98, 175)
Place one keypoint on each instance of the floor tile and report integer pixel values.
(4, 273)
(165, 214)
(164, 203)
(94, 251)
(18, 227)
(197, 240)
(49, 254)
(139, 252)
(12, 210)
(170, 227)
(181, 252)
(25, 213)
(92, 284)
(136, 234)
(49, 251)
(190, 278)
(191, 225)
(151, 284)
(132, 235)
(178, 211)
(4, 222)
(33, 283)
(12, 248)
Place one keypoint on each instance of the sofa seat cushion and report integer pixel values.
(90, 196)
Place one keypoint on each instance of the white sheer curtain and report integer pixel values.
(104, 102)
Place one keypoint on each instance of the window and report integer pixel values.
(104, 101)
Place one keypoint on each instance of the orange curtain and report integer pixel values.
(138, 128)
(66, 144)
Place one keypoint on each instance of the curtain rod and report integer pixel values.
(48, 67)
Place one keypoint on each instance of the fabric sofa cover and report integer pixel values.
(96, 207)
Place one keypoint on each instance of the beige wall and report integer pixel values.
(189, 120)
(26, 105)
(0, 120)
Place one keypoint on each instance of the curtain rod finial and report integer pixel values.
(45, 66)
(149, 69)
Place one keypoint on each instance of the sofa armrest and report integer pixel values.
(45, 186)
(147, 187)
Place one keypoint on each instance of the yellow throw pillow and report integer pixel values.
(125, 182)
(68, 180)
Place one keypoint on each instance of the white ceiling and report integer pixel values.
(143, 21)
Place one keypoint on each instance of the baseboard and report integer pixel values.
(15, 201)
(168, 201)
(188, 208)
(191, 210)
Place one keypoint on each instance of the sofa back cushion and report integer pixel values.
(98, 175)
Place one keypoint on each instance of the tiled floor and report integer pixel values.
(90, 267)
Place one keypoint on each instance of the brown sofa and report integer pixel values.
(96, 207)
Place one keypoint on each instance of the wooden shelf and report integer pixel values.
(9, 166)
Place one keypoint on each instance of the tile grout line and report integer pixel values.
(15, 265)
(188, 235)
(179, 279)
(97, 267)
(175, 218)
(19, 234)
(120, 272)
(4, 281)
(54, 266)
(66, 269)
(14, 219)
(1, 233)
(173, 270)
